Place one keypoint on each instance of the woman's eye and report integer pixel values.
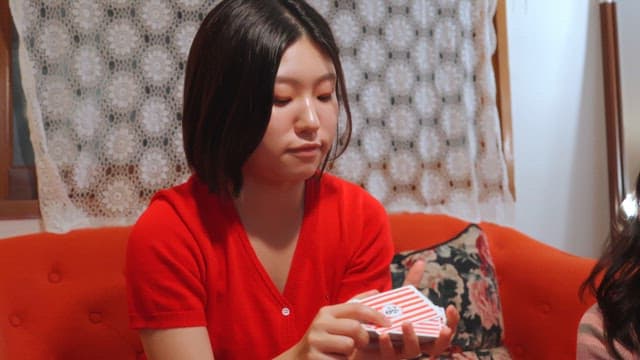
(281, 101)
(325, 98)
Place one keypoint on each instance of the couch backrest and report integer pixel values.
(416, 231)
(62, 297)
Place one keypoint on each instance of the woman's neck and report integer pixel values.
(265, 207)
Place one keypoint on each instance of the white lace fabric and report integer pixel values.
(104, 79)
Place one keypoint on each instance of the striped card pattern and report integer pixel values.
(406, 304)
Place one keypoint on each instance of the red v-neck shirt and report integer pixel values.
(190, 263)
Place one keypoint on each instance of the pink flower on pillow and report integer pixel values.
(485, 255)
(483, 302)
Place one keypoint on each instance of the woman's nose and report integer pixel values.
(308, 119)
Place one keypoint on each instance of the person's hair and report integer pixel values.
(229, 81)
(618, 292)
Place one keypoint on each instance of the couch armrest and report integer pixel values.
(539, 293)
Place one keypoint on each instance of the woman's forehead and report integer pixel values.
(304, 58)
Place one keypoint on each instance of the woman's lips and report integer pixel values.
(306, 151)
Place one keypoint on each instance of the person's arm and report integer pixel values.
(178, 343)
(591, 344)
(165, 290)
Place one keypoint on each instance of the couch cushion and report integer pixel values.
(460, 271)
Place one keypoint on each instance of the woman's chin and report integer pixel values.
(303, 173)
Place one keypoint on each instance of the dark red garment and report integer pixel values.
(190, 263)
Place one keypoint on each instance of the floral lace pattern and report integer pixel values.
(461, 272)
(104, 84)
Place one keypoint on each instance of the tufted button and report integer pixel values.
(286, 311)
(15, 320)
(95, 317)
(54, 277)
(546, 308)
(518, 351)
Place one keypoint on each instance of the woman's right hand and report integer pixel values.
(336, 332)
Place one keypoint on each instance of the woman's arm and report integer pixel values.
(178, 343)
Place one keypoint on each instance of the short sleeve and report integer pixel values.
(590, 343)
(164, 272)
(368, 269)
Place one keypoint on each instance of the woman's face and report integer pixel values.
(303, 120)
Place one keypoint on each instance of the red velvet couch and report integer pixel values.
(63, 297)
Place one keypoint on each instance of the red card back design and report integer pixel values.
(406, 304)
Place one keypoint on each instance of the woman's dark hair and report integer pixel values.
(618, 293)
(230, 75)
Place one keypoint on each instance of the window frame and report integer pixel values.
(500, 62)
(16, 182)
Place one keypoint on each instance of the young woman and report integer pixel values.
(258, 252)
(610, 329)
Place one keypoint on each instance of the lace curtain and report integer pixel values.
(103, 81)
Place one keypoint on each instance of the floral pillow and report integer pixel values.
(461, 272)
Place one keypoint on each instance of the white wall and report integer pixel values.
(558, 123)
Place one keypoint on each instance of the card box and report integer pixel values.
(405, 304)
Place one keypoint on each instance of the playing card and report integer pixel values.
(405, 304)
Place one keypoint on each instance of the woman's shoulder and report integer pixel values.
(175, 208)
(591, 322)
(591, 342)
(333, 183)
(353, 198)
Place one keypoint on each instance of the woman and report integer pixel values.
(257, 254)
(611, 327)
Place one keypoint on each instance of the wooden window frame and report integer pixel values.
(15, 179)
(503, 90)
(617, 182)
(16, 182)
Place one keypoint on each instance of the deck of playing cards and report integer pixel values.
(405, 304)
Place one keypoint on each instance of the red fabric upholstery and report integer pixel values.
(63, 296)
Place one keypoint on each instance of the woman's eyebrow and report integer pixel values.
(295, 81)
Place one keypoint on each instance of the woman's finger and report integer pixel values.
(446, 334)
(441, 344)
(453, 317)
(387, 351)
(410, 343)
(352, 330)
(334, 345)
(415, 273)
(358, 312)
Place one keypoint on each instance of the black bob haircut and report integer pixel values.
(229, 80)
